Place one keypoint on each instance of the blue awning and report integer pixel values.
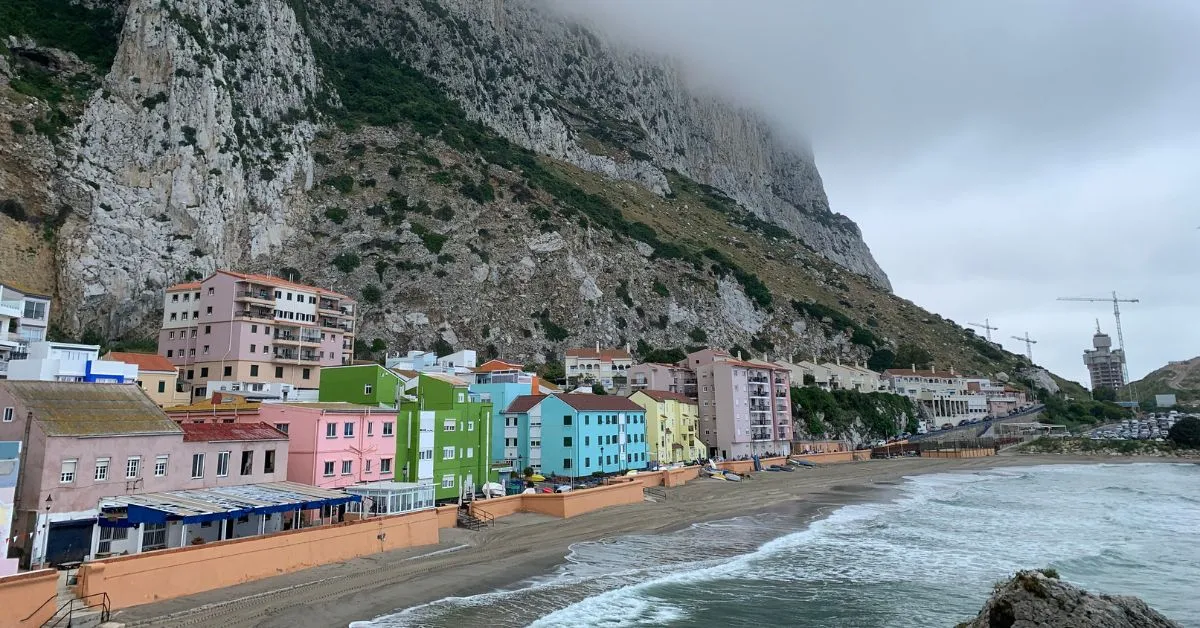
(217, 504)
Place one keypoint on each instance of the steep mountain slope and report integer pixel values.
(479, 173)
(1181, 379)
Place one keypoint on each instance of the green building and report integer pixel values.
(443, 437)
(367, 384)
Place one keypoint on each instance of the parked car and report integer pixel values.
(947, 426)
(562, 488)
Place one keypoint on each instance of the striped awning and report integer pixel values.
(218, 503)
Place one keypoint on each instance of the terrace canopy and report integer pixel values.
(216, 504)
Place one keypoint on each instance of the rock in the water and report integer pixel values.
(1032, 599)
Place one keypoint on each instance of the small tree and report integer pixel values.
(1104, 393)
(1186, 433)
(598, 389)
(527, 472)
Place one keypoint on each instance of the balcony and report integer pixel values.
(288, 337)
(294, 356)
(260, 315)
(781, 393)
(264, 296)
(757, 380)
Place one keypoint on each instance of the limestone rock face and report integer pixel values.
(1033, 600)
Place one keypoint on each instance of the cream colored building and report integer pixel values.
(672, 426)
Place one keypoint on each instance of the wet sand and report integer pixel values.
(526, 545)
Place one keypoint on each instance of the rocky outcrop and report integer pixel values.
(1032, 599)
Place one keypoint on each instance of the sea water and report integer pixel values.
(928, 556)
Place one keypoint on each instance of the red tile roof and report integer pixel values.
(524, 403)
(588, 402)
(276, 281)
(144, 361)
(498, 365)
(217, 432)
(191, 285)
(603, 354)
(666, 395)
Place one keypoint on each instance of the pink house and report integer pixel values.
(85, 443)
(745, 406)
(254, 333)
(335, 444)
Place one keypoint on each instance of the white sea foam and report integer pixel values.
(928, 557)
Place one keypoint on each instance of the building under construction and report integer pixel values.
(1105, 364)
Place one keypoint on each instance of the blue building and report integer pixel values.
(502, 382)
(575, 435)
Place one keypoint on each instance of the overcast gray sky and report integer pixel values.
(996, 155)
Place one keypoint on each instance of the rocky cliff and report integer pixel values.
(1032, 599)
(480, 173)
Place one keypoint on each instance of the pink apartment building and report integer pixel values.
(332, 445)
(259, 332)
(666, 377)
(86, 442)
(745, 406)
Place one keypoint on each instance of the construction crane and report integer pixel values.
(1116, 302)
(986, 326)
(1028, 345)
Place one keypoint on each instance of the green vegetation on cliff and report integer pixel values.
(837, 413)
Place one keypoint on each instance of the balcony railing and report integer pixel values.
(256, 294)
(757, 380)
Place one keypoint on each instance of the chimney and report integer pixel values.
(216, 399)
(597, 346)
(914, 367)
(739, 355)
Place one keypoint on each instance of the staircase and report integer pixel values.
(71, 611)
(469, 521)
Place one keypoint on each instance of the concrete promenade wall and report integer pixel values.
(165, 574)
(447, 516)
(981, 452)
(22, 594)
(747, 466)
(835, 457)
(563, 505)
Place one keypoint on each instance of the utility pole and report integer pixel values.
(1129, 387)
(987, 327)
(1028, 345)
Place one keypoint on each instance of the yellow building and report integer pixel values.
(672, 426)
(156, 375)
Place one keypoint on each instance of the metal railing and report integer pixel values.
(71, 608)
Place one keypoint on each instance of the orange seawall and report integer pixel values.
(982, 452)
(22, 594)
(837, 456)
(747, 466)
(563, 505)
(144, 578)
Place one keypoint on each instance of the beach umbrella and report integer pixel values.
(632, 472)
(537, 477)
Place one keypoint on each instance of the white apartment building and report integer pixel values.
(942, 396)
(69, 362)
(24, 317)
(603, 366)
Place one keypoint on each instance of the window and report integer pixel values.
(367, 466)
(470, 426)
(108, 535)
(566, 463)
(204, 369)
(254, 330)
(282, 427)
(227, 371)
(278, 371)
(154, 536)
(278, 294)
(370, 428)
(447, 453)
(470, 452)
(101, 469)
(566, 419)
(608, 459)
(387, 428)
(567, 441)
(209, 310)
(175, 298)
(247, 462)
(347, 467)
(205, 350)
(331, 430)
(587, 440)
(133, 467)
(448, 425)
(266, 349)
(67, 475)
(385, 465)
(160, 466)
(448, 481)
(535, 443)
(269, 461)
(253, 370)
(328, 468)
(289, 296)
(169, 352)
(305, 373)
(8, 415)
(587, 462)
(348, 429)
(190, 373)
(462, 397)
(173, 315)
(162, 386)
(198, 466)
(367, 389)
(211, 290)
(207, 329)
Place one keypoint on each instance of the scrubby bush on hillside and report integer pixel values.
(1186, 433)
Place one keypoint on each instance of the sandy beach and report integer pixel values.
(526, 545)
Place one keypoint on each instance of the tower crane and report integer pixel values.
(1028, 345)
(986, 326)
(1116, 302)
